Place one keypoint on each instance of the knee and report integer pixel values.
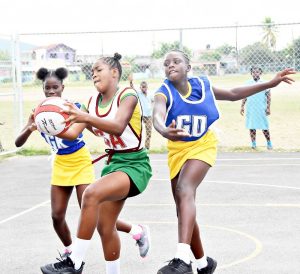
(58, 216)
(89, 197)
(106, 231)
(183, 192)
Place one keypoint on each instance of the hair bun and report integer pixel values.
(42, 73)
(61, 73)
(117, 56)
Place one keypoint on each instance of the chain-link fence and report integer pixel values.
(10, 101)
(225, 54)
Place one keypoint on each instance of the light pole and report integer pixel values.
(236, 46)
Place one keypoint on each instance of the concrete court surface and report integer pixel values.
(248, 208)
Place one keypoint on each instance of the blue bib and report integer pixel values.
(197, 112)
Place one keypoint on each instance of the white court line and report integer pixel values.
(217, 182)
(254, 184)
(237, 183)
(260, 165)
(216, 205)
(208, 205)
(246, 165)
(24, 212)
(238, 159)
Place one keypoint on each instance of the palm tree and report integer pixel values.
(270, 31)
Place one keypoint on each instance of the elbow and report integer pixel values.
(17, 144)
(235, 97)
(118, 131)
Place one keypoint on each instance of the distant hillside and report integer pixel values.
(5, 45)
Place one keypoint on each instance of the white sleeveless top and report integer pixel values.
(131, 137)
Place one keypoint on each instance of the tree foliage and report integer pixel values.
(166, 47)
(269, 33)
(213, 55)
(4, 55)
(256, 54)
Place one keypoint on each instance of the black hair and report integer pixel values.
(256, 67)
(143, 83)
(113, 62)
(59, 73)
(185, 55)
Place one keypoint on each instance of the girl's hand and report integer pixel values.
(75, 114)
(30, 123)
(175, 134)
(283, 76)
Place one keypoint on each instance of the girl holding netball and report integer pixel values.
(184, 109)
(114, 114)
(72, 168)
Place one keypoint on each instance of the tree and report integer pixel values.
(256, 54)
(292, 54)
(210, 56)
(225, 49)
(269, 33)
(166, 47)
(4, 55)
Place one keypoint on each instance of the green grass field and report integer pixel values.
(231, 131)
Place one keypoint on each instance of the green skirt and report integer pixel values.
(135, 164)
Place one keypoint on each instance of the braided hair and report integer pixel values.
(59, 73)
(185, 55)
(113, 62)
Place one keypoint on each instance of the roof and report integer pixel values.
(53, 46)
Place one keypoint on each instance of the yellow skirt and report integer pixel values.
(203, 149)
(73, 169)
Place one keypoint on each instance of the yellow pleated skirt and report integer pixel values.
(204, 149)
(73, 169)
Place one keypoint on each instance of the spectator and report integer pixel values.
(147, 111)
(257, 110)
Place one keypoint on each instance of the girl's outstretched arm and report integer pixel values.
(245, 91)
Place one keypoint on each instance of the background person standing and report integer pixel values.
(257, 110)
(147, 111)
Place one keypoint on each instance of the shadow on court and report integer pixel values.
(248, 209)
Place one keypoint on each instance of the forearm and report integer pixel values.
(114, 127)
(72, 132)
(158, 123)
(240, 92)
(246, 91)
(22, 138)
